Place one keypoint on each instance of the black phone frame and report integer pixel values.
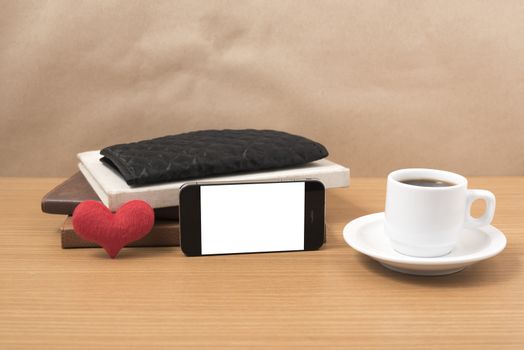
(190, 221)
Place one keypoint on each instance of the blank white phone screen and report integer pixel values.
(250, 218)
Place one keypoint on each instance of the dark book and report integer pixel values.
(64, 198)
(165, 233)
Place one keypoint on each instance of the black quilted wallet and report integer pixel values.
(209, 152)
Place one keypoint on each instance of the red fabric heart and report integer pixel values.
(94, 222)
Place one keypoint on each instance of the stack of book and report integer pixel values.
(98, 181)
(64, 198)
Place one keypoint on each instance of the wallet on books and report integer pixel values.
(207, 153)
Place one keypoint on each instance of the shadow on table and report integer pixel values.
(482, 273)
(138, 252)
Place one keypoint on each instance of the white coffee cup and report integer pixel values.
(426, 221)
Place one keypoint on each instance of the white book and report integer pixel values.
(114, 191)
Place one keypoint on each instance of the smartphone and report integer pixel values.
(251, 217)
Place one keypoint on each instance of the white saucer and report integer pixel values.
(366, 235)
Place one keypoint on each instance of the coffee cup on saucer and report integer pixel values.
(426, 209)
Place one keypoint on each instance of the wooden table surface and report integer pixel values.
(333, 298)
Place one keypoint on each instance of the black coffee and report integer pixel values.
(427, 183)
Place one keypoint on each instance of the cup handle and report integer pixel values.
(487, 217)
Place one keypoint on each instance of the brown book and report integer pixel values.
(164, 234)
(64, 198)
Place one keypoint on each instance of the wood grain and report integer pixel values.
(333, 298)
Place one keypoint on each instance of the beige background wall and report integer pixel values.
(383, 84)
